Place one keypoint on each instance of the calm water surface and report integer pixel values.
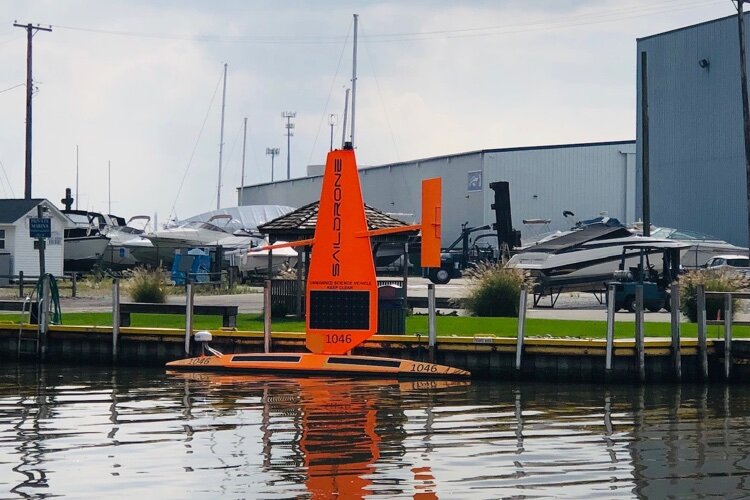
(95, 433)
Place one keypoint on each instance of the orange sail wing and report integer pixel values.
(342, 289)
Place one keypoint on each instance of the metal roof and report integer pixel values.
(13, 209)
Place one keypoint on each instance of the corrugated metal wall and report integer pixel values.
(583, 178)
(697, 165)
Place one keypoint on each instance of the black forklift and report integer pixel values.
(454, 259)
(656, 284)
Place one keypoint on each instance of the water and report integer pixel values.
(95, 433)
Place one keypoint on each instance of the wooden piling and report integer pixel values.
(521, 326)
(702, 349)
(115, 317)
(431, 328)
(267, 316)
(610, 327)
(189, 300)
(639, 343)
(727, 335)
(675, 324)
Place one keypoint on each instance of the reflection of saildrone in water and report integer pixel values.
(340, 424)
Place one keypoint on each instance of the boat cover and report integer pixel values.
(247, 217)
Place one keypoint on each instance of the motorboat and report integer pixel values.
(233, 228)
(582, 259)
(85, 244)
(255, 262)
(117, 255)
(702, 246)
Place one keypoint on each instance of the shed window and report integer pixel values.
(2, 238)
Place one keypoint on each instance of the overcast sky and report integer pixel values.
(138, 83)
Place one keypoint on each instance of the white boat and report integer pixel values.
(583, 259)
(255, 262)
(702, 246)
(85, 244)
(118, 255)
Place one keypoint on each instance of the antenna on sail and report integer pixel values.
(354, 77)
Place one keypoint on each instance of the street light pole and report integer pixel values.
(288, 126)
(272, 152)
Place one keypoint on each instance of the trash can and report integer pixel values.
(391, 310)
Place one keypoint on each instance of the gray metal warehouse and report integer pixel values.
(586, 179)
(697, 164)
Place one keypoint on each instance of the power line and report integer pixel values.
(604, 16)
(13, 87)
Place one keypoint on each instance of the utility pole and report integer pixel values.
(221, 137)
(30, 30)
(272, 152)
(242, 180)
(745, 107)
(289, 126)
(645, 153)
(332, 119)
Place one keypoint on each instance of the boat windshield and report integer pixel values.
(204, 225)
(680, 234)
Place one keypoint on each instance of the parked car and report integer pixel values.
(730, 262)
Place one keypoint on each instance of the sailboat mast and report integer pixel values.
(354, 75)
(76, 176)
(221, 137)
(242, 180)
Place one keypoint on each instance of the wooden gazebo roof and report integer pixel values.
(300, 224)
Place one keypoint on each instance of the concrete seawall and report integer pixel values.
(546, 359)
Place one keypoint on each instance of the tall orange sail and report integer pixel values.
(342, 301)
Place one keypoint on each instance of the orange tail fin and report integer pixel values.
(431, 221)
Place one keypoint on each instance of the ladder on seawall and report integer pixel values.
(28, 341)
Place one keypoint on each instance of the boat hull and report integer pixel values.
(310, 363)
(82, 253)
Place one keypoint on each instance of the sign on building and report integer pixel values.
(40, 227)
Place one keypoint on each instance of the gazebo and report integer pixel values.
(300, 225)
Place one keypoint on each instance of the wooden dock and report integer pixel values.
(487, 357)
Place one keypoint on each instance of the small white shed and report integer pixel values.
(17, 247)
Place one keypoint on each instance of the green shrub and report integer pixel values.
(146, 285)
(494, 290)
(714, 281)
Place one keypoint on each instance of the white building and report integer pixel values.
(16, 243)
(586, 179)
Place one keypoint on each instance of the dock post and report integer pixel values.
(431, 330)
(20, 284)
(727, 335)
(115, 316)
(674, 310)
(702, 349)
(610, 327)
(267, 316)
(521, 326)
(44, 309)
(74, 285)
(639, 337)
(189, 298)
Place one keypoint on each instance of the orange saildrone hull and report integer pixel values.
(317, 363)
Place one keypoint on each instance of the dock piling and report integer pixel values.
(727, 335)
(674, 306)
(610, 326)
(431, 329)
(521, 326)
(702, 349)
(267, 316)
(639, 337)
(115, 316)
(189, 299)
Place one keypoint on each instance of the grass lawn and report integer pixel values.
(446, 325)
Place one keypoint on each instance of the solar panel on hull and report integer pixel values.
(339, 310)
